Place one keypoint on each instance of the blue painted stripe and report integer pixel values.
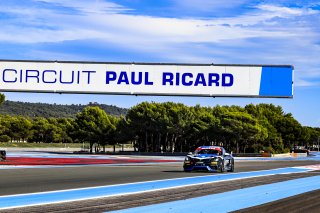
(276, 81)
(105, 191)
(235, 200)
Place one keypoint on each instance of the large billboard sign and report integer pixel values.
(212, 80)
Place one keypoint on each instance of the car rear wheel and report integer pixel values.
(231, 167)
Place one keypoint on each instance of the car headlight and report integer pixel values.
(215, 159)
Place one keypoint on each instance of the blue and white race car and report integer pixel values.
(209, 158)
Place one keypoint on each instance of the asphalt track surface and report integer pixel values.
(19, 181)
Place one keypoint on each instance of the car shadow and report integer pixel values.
(181, 171)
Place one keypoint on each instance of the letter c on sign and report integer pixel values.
(4, 79)
(186, 82)
(54, 80)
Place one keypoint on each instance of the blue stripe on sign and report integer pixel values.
(276, 82)
(12, 201)
(235, 200)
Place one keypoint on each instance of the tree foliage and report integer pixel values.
(45, 110)
(2, 98)
(168, 127)
(94, 126)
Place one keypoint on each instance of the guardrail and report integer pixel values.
(265, 154)
(149, 153)
(186, 153)
(298, 155)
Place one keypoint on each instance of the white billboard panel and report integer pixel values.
(147, 78)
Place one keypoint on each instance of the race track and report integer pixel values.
(19, 181)
(23, 180)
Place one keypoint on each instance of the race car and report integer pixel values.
(300, 149)
(209, 158)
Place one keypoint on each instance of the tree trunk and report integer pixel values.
(152, 142)
(146, 141)
(237, 146)
(171, 143)
(134, 145)
(91, 145)
(174, 144)
(165, 145)
(159, 143)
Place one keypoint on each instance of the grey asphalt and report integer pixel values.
(18, 181)
(306, 202)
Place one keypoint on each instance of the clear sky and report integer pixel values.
(178, 31)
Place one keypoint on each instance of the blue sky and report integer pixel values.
(179, 31)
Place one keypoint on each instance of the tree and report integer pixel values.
(18, 128)
(124, 132)
(41, 130)
(2, 98)
(203, 129)
(174, 127)
(94, 126)
(24, 131)
(66, 127)
(269, 117)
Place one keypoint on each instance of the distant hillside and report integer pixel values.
(53, 110)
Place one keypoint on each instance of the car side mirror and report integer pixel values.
(190, 153)
(227, 154)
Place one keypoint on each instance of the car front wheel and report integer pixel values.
(221, 167)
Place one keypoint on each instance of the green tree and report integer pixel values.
(93, 125)
(2, 98)
(124, 133)
(41, 130)
(66, 127)
(19, 128)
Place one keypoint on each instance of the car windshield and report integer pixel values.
(207, 151)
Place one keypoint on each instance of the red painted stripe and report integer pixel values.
(75, 161)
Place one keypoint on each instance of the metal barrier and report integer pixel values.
(265, 154)
(298, 155)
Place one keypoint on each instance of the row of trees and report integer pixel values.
(53, 110)
(169, 127)
(176, 127)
